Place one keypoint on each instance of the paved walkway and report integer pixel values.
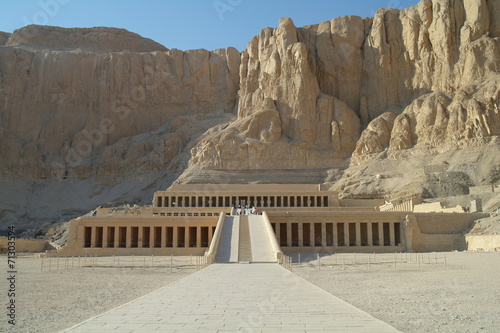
(236, 298)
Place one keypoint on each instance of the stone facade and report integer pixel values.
(304, 218)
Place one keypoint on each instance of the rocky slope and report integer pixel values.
(89, 116)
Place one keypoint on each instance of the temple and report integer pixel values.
(259, 222)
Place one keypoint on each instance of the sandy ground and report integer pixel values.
(55, 300)
(463, 296)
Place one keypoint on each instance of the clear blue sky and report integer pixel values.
(186, 24)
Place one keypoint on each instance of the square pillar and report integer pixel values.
(288, 234)
(128, 241)
(198, 236)
(152, 236)
(346, 234)
(392, 234)
(186, 236)
(311, 234)
(117, 236)
(358, 233)
(175, 239)
(335, 234)
(278, 233)
(370, 233)
(381, 233)
(140, 236)
(323, 234)
(105, 236)
(301, 234)
(163, 236)
(93, 231)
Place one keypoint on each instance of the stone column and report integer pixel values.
(369, 228)
(186, 236)
(288, 234)
(301, 233)
(105, 236)
(346, 234)
(175, 239)
(278, 233)
(312, 235)
(381, 233)
(198, 236)
(140, 237)
(358, 233)
(163, 237)
(93, 231)
(335, 234)
(323, 234)
(392, 234)
(128, 240)
(408, 224)
(152, 236)
(117, 236)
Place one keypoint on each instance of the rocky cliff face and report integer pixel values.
(67, 113)
(320, 84)
(107, 107)
(3, 38)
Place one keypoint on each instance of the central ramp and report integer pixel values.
(262, 250)
(245, 239)
(245, 246)
(237, 298)
(229, 241)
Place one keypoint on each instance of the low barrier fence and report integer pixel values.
(125, 262)
(342, 260)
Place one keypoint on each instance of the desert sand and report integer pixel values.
(463, 296)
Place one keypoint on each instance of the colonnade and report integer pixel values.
(325, 234)
(252, 200)
(147, 236)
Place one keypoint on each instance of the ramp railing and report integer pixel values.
(272, 237)
(214, 245)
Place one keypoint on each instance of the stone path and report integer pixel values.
(236, 298)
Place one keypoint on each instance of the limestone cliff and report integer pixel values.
(323, 82)
(3, 38)
(94, 39)
(64, 112)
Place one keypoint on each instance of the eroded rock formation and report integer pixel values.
(324, 81)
